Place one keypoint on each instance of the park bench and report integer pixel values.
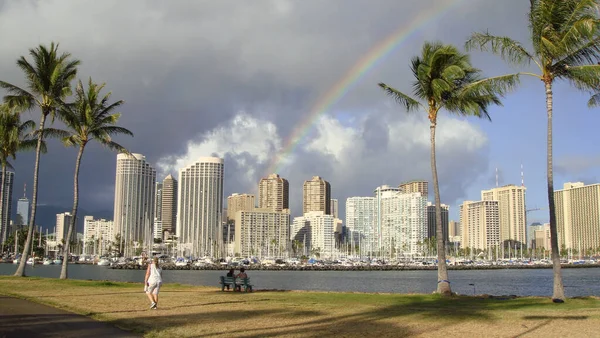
(227, 282)
(244, 283)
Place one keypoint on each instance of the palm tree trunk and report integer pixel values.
(63, 271)
(559, 290)
(3, 227)
(443, 284)
(36, 170)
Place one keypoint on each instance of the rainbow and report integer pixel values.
(358, 70)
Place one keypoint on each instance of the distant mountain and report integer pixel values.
(45, 216)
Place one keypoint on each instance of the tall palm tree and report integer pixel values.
(445, 79)
(48, 80)
(89, 118)
(566, 46)
(13, 138)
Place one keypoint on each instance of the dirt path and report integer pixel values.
(22, 318)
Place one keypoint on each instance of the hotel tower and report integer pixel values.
(200, 205)
(134, 202)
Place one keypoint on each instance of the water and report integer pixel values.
(521, 282)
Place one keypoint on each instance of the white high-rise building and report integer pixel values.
(200, 207)
(402, 222)
(315, 230)
(62, 227)
(6, 205)
(97, 235)
(361, 219)
(134, 202)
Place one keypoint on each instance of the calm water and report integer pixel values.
(526, 282)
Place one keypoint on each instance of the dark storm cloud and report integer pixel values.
(185, 68)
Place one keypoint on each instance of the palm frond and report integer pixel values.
(114, 146)
(17, 97)
(594, 101)
(404, 100)
(508, 49)
(52, 133)
(498, 85)
(585, 78)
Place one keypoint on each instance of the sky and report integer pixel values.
(236, 79)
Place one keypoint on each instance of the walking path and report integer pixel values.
(23, 318)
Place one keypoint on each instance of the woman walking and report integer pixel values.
(152, 282)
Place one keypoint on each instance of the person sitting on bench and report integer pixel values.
(241, 276)
(231, 273)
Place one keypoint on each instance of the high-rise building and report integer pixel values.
(334, 208)
(531, 233)
(361, 219)
(239, 202)
(200, 205)
(431, 222)
(134, 202)
(158, 201)
(578, 216)
(453, 229)
(22, 210)
(6, 205)
(98, 234)
(511, 204)
(262, 233)
(315, 230)
(157, 227)
(415, 186)
(541, 238)
(316, 196)
(480, 225)
(402, 222)
(169, 206)
(62, 228)
(273, 193)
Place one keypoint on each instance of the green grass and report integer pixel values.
(187, 310)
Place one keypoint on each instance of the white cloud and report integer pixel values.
(349, 157)
(243, 135)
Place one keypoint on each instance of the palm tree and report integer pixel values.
(12, 140)
(48, 80)
(566, 46)
(89, 118)
(445, 79)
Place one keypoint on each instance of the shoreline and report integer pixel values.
(354, 268)
(170, 266)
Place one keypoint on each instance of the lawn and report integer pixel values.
(191, 311)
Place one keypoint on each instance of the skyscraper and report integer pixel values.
(158, 210)
(134, 202)
(63, 221)
(334, 207)
(22, 210)
(200, 204)
(361, 219)
(415, 186)
(6, 205)
(273, 193)
(169, 205)
(316, 196)
(578, 216)
(511, 206)
(158, 201)
(431, 222)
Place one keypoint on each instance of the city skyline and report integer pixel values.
(360, 141)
